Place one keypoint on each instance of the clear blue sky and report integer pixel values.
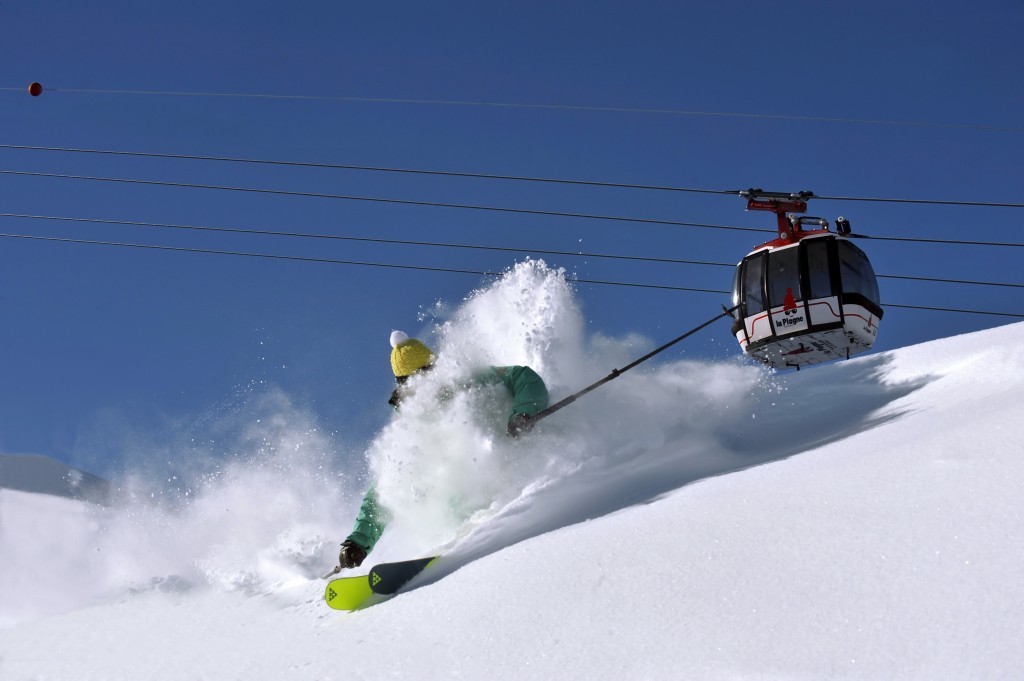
(100, 345)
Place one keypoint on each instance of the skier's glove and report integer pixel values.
(352, 554)
(519, 424)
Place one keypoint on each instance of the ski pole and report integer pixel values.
(618, 372)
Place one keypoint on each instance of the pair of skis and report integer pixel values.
(384, 579)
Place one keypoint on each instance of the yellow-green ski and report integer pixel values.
(348, 593)
(352, 593)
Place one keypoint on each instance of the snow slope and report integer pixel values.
(41, 474)
(689, 520)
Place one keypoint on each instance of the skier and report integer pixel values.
(410, 357)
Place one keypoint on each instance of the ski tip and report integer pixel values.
(348, 593)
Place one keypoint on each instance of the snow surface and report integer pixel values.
(688, 520)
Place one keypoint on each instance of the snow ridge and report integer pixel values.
(689, 520)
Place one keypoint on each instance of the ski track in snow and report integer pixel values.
(635, 534)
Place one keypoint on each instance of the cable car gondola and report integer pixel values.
(807, 297)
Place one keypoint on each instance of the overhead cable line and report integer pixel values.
(931, 202)
(538, 106)
(495, 209)
(372, 199)
(951, 242)
(364, 239)
(296, 258)
(381, 169)
(491, 176)
(950, 281)
(954, 309)
(181, 249)
(434, 244)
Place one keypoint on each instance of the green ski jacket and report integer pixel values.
(529, 396)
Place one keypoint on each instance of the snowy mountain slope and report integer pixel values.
(857, 520)
(41, 474)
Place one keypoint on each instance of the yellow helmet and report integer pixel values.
(408, 355)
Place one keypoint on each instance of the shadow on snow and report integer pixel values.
(810, 409)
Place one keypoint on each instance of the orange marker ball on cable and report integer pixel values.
(35, 89)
